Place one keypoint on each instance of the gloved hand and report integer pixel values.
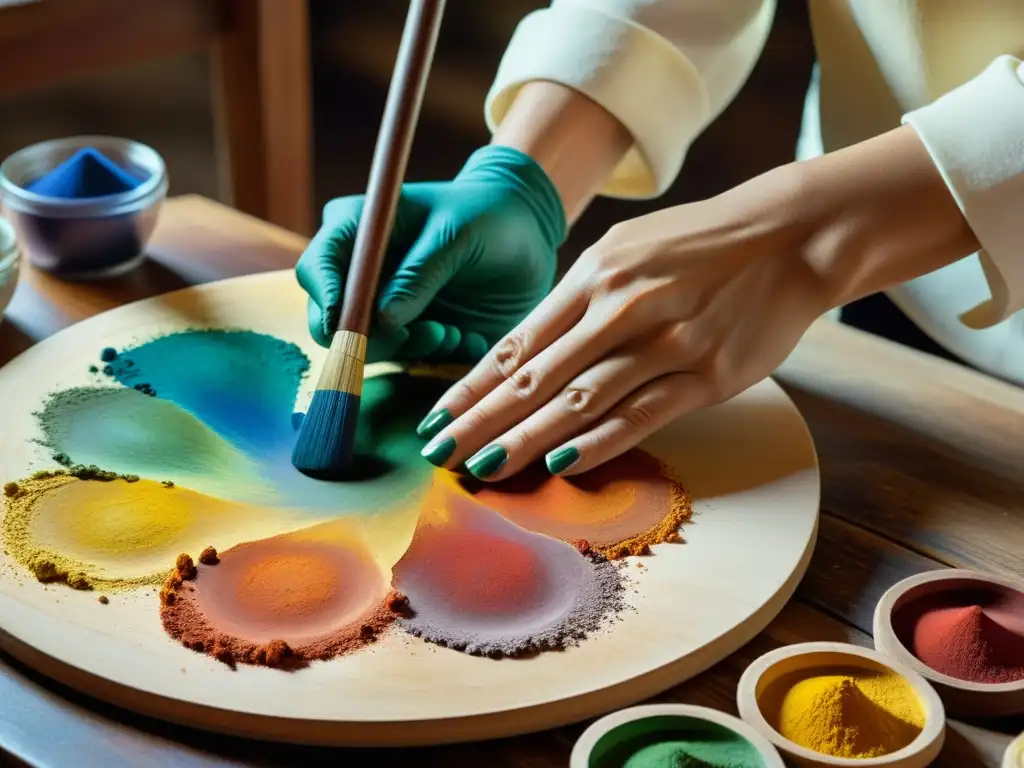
(467, 261)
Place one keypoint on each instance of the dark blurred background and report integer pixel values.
(167, 105)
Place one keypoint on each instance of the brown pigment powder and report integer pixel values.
(209, 556)
(185, 622)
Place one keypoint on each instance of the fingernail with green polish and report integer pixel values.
(438, 453)
(561, 459)
(434, 422)
(488, 461)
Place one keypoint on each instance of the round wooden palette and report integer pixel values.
(749, 464)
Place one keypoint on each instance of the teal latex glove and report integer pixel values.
(468, 259)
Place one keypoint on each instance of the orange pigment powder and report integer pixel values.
(278, 602)
(288, 587)
(620, 508)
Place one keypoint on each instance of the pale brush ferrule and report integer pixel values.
(343, 371)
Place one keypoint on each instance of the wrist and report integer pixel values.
(576, 141)
(878, 214)
(519, 173)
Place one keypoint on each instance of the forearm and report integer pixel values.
(571, 137)
(879, 214)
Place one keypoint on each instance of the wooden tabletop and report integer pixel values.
(922, 467)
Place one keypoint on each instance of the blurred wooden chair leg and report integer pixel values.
(262, 104)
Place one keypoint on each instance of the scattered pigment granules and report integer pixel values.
(622, 507)
(318, 592)
(113, 532)
(971, 634)
(844, 712)
(673, 742)
(479, 583)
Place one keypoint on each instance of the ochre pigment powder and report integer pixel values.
(45, 564)
(850, 712)
(113, 532)
(621, 508)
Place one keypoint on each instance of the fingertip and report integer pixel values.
(472, 347)
(314, 319)
(451, 341)
(425, 336)
(394, 310)
(561, 460)
(384, 344)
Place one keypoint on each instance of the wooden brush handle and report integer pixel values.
(387, 172)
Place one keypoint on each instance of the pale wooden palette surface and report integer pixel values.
(750, 465)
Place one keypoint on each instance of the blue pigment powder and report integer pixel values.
(240, 384)
(87, 173)
(221, 420)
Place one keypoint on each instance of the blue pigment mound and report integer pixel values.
(87, 173)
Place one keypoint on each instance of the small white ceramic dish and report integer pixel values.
(959, 696)
(810, 656)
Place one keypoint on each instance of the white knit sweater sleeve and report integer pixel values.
(975, 136)
(664, 68)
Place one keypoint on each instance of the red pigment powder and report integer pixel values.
(975, 635)
(478, 573)
(481, 584)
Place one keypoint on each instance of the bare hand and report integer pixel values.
(667, 313)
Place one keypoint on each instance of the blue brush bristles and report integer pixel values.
(327, 436)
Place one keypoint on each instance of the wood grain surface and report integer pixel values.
(260, 77)
(921, 466)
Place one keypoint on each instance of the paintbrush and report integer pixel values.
(326, 439)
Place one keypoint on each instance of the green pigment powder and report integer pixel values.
(131, 434)
(673, 742)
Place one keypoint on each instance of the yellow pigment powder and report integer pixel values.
(847, 713)
(118, 533)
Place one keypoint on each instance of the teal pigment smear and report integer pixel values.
(241, 384)
(221, 422)
(670, 741)
(127, 432)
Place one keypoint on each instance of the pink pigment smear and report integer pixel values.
(479, 583)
